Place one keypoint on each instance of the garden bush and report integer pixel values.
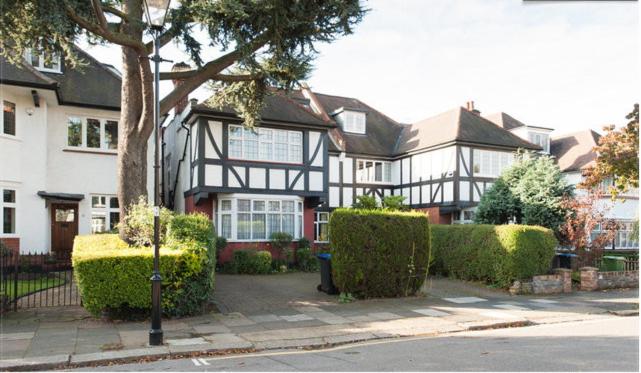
(306, 261)
(251, 262)
(113, 276)
(496, 254)
(379, 253)
(138, 224)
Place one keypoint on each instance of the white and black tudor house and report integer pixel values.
(313, 152)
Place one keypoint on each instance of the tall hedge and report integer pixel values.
(379, 253)
(113, 276)
(496, 254)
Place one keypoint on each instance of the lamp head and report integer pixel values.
(156, 12)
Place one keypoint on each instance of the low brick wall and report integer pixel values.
(559, 282)
(613, 280)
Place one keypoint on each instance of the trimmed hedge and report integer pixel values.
(379, 253)
(496, 254)
(251, 262)
(113, 276)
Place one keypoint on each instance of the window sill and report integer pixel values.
(90, 151)
(10, 137)
(270, 162)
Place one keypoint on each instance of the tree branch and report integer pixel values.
(116, 12)
(100, 15)
(165, 38)
(116, 38)
(209, 71)
(181, 75)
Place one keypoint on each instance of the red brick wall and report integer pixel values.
(204, 205)
(434, 216)
(13, 243)
(309, 216)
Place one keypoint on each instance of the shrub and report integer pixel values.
(379, 253)
(281, 241)
(306, 260)
(303, 243)
(394, 203)
(138, 224)
(113, 276)
(252, 262)
(365, 203)
(192, 227)
(497, 255)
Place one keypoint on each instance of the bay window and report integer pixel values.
(8, 207)
(370, 171)
(490, 163)
(105, 213)
(265, 144)
(92, 133)
(255, 219)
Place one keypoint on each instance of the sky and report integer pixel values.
(564, 65)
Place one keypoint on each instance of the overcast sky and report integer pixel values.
(566, 65)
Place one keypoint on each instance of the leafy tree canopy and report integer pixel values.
(530, 192)
(617, 157)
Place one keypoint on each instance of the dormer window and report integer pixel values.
(352, 121)
(540, 139)
(40, 62)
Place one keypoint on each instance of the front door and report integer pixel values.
(64, 228)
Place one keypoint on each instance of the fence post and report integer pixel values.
(15, 283)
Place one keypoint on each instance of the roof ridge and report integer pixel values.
(497, 126)
(568, 134)
(303, 108)
(100, 64)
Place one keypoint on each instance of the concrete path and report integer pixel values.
(607, 345)
(294, 319)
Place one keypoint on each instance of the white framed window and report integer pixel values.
(321, 227)
(265, 144)
(255, 218)
(623, 239)
(490, 163)
(8, 206)
(105, 214)
(8, 118)
(353, 121)
(540, 139)
(371, 171)
(92, 133)
(39, 61)
(465, 216)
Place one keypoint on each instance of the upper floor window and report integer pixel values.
(490, 163)
(8, 207)
(42, 63)
(265, 144)
(92, 133)
(9, 118)
(352, 121)
(540, 139)
(369, 171)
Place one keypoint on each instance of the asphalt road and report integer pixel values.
(603, 345)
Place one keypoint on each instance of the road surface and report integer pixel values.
(600, 345)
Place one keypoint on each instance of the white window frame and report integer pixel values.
(292, 156)
(298, 213)
(317, 224)
(13, 205)
(354, 121)
(543, 139)
(41, 62)
(15, 118)
(370, 178)
(105, 210)
(503, 160)
(83, 133)
(461, 216)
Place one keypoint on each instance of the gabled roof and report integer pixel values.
(381, 132)
(277, 108)
(574, 151)
(505, 121)
(458, 125)
(91, 85)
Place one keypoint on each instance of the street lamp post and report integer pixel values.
(156, 11)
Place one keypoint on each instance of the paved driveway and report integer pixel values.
(255, 294)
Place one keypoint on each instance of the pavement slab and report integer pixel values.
(210, 328)
(431, 312)
(465, 300)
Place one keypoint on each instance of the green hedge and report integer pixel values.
(379, 253)
(251, 262)
(113, 276)
(496, 254)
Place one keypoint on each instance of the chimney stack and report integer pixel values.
(470, 106)
(182, 104)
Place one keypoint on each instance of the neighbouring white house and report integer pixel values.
(58, 141)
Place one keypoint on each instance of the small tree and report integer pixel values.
(586, 228)
(281, 241)
(617, 157)
(531, 191)
(365, 203)
(394, 203)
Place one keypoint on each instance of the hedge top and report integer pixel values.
(92, 246)
(380, 212)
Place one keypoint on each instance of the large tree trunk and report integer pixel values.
(136, 119)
